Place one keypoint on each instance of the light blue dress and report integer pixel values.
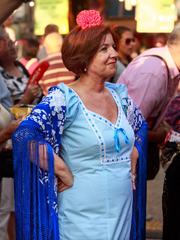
(99, 205)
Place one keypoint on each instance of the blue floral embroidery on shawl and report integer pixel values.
(50, 117)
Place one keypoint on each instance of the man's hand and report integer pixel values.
(7, 132)
(159, 134)
(30, 94)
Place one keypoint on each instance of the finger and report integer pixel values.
(134, 185)
(64, 188)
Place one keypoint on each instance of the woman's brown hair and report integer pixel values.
(81, 45)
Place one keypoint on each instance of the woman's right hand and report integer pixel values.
(61, 186)
(63, 173)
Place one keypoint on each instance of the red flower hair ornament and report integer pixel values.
(88, 18)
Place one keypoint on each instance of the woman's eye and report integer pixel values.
(103, 49)
(114, 46)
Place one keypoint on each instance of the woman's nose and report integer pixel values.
(114, 53)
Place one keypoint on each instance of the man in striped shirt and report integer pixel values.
(57, 72)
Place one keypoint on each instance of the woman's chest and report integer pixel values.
(92, 135)
(104, 106)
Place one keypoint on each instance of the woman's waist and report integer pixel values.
(97, 159)
(89, 186)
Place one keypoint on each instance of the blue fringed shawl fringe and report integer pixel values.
(35, 194)
(138, 230)
(34, 142)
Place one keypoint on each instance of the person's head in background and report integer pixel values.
(126, 40)
(30, 48)
(53, 43)
(8, 52)
(160, 40)
(90, 49)
(173, 43)
(51, 28)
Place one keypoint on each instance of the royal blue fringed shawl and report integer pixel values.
(35, 191)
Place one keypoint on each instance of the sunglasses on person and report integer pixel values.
(129, 40)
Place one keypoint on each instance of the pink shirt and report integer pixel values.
(56, 73)
(30, 65)
(147, 82)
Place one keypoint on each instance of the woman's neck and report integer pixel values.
(91, 84)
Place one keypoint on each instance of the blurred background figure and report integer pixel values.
(152, 79)
(160, 40)
(8, 27)
(126, 43)
(13, 73)
(13, 90)
(57, 72)
(137, 46)
(29, 54)
(126, 47)
(50, 28)
(170, 157)
(7, 7)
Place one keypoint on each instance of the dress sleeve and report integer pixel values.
(140, 128)
(34, 142)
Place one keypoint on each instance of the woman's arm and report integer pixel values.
(7, 7)
(61, 170)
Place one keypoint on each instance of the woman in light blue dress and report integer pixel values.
(90, 135)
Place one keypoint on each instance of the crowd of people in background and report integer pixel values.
(152, 79)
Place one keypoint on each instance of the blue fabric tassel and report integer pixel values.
(116, 138)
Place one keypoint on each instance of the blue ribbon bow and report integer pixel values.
(116, 138)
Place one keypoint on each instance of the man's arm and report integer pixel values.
(7, 132)
(7, 7)
(146, 83)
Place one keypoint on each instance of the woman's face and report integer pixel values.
(104, 61)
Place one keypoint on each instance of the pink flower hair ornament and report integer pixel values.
(88, 18)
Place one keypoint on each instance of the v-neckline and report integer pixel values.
(101, 117)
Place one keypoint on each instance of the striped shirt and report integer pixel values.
(56, 73)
